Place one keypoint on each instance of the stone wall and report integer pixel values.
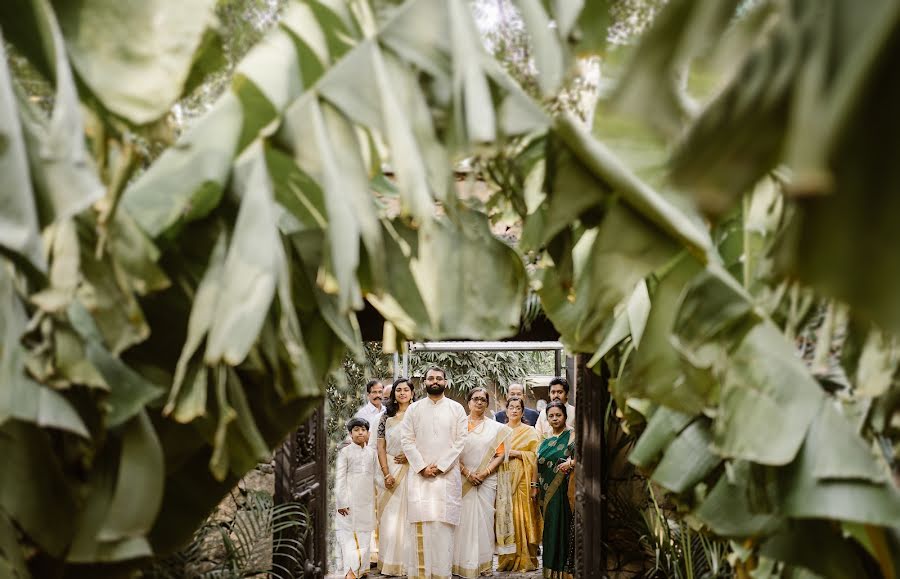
(230, 511)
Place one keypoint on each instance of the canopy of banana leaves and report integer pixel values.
(165, 326)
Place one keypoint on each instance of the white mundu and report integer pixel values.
(355, 490)
(433, 432)
(543, 427)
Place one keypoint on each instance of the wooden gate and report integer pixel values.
(590, 503)
(301, 477)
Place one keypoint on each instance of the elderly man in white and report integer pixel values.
(433, 435)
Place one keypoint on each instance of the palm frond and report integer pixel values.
(259, 529)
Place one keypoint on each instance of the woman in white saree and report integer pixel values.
(392, 522)
(473, 552)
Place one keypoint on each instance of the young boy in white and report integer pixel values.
(355, 499)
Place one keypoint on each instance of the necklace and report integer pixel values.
(476, 425)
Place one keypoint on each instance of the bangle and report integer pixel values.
(534, 485)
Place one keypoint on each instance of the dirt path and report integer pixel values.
(532, 575)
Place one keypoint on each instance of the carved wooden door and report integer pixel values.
(301, 476)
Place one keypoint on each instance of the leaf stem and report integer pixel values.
(823, 341)
(107, 206)
(641, 197)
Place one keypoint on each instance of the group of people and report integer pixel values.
(443, 490)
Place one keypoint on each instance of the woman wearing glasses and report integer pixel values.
(520, 469)
(484, 452)
(555, 465)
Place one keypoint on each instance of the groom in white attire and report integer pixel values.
(433, 435)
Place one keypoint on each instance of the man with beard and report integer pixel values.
(373, 410)
(433, 435)
(559, 392)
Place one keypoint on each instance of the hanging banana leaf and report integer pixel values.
(19, 229)
(135, 56)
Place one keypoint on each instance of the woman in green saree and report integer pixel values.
(555, 463)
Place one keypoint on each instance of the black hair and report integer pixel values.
(436, 369)
(478, 389)
(373, 382)
(357, 421)
(391, 405)
(520, 401)
(557, 404)
(562, 382)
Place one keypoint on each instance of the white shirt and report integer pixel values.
(372, 415)
(355, 488)
(543, 427)
(434, 432)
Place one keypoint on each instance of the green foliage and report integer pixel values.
(187, 329)
(736, 419)
(678, 551)
(241, 25)
(346, 393)
(469, 369)
(694, 353)
(163, 332)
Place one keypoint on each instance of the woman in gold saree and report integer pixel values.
(484, 452)
(521, 467)
(392, 523)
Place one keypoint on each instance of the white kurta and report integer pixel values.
(355, 490)
(434, 432)
(543, 427)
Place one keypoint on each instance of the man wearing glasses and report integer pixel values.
(530, 415)
(433, 434)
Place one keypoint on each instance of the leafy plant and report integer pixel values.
(259, 528)
(677, 551)
(346, 393)
(469, 369)
(165, 328)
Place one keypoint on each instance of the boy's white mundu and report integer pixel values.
(433, 432)
(355, 489)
